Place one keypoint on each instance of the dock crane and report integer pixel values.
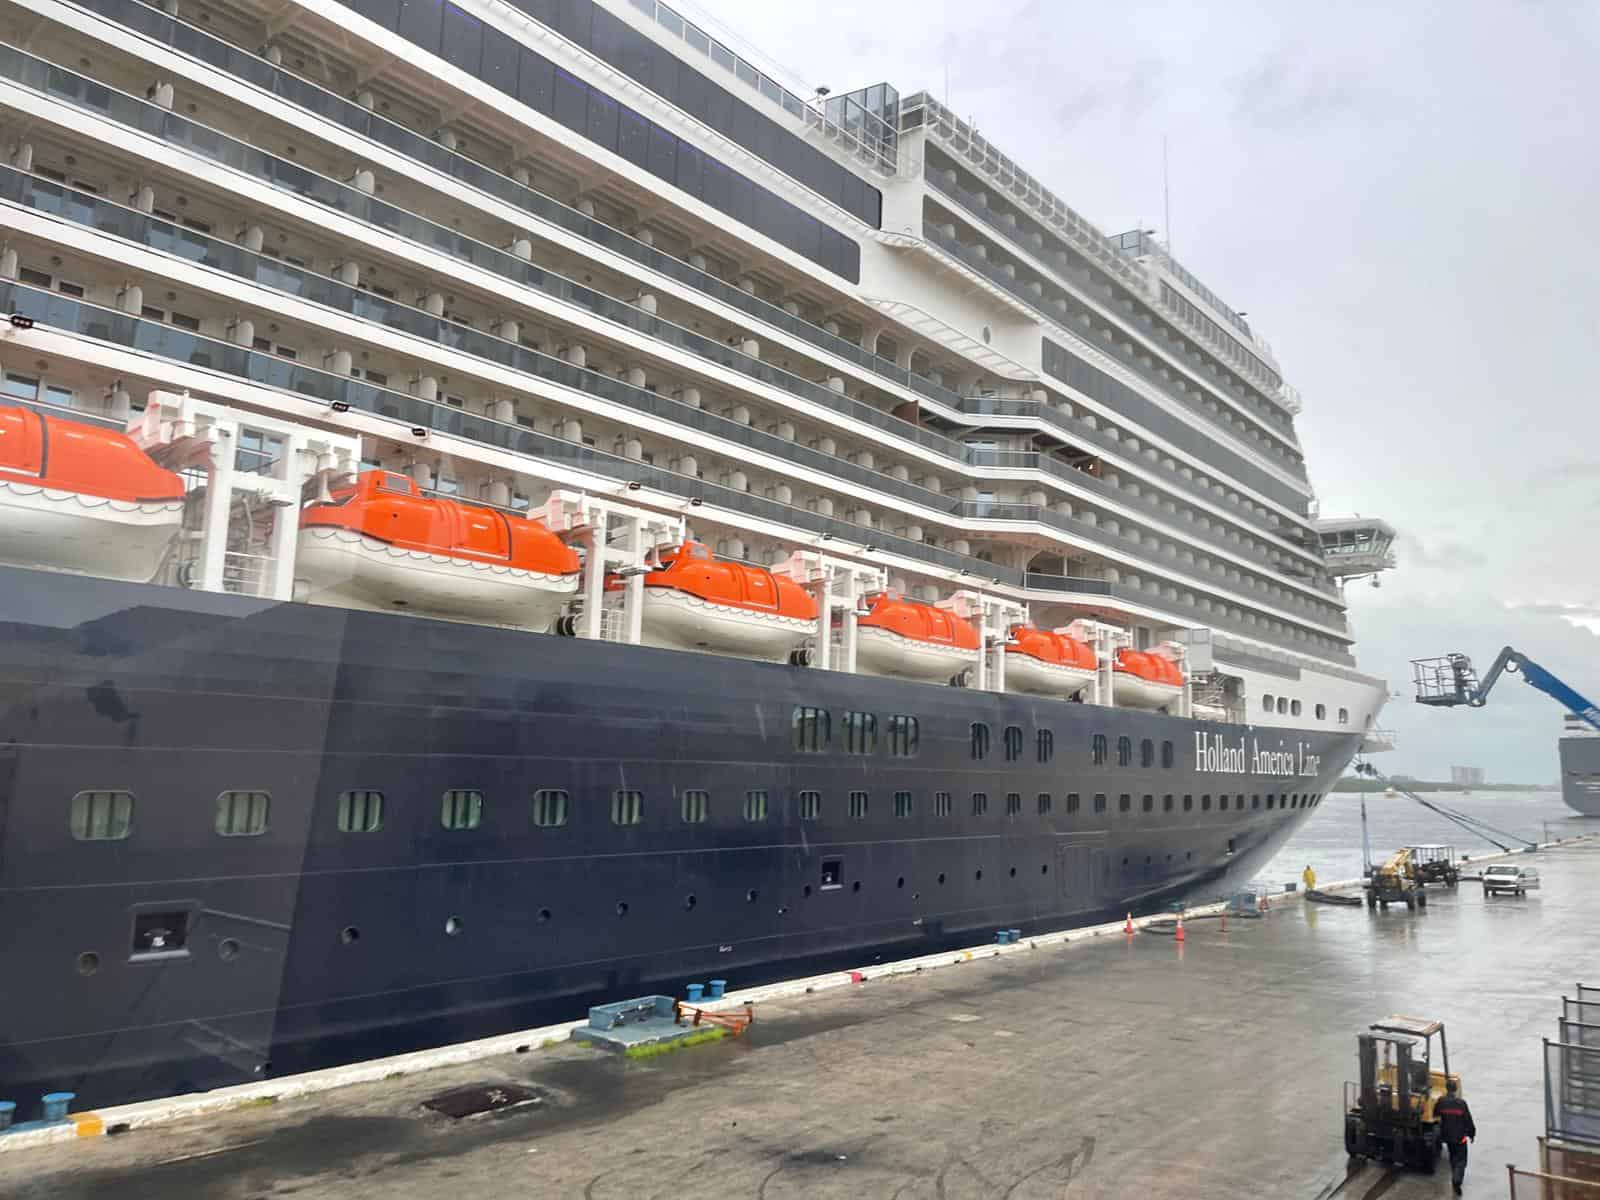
(1450, 681)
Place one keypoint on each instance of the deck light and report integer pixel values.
(18, 321)
(339, 406)
(417, 431)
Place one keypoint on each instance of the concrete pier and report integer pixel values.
(1106, 1066)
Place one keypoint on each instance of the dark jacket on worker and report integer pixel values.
(1455, 1120)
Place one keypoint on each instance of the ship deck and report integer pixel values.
(1103, 1067)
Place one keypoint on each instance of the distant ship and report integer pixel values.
(510, 507)
(1580, 766)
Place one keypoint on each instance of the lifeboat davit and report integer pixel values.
(380, 545)
(912, 640)
(1140, 679)
(1042, 663)
(76, 497)
(699, 602)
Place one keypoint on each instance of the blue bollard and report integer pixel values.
(718, 986)
(8, 1109)
(1002, 937)
(1016, 935)
(55, 1105)
(695, 991)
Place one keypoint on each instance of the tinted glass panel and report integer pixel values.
(420, 23)
(663, 160)
(536, 82)
(462, 43)
(602, 128)
(571, 105)
(500, 59)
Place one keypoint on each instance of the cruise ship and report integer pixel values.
(510, 506)
(1580, 765)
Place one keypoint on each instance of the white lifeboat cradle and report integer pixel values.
(231, 552)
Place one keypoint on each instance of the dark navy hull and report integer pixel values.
(307, 946)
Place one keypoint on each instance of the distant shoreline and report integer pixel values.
(1352, 784)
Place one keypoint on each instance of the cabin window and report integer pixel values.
(1266, 702)
(1100, 802)
(1013, 738)
(1188, 804)
(1294, 708)
(1147, 753)
(1072, 802)
(24, 387)
(1124, 803)
(1097, 749)
(942, 804)
(860, 732)
(1124, 752)
(1322, 712)
(1166, 802)
(696, 806)
(1013, 804)
(755, 805)
(627, 806)
(858, 806)
(1166, 754)
(832, 875)
(810, 806)
(1271, 801)
(1205, 803)
(1255, 801)
(905, 735)
(812, 727)
(1283, 704)
(980, 803)
(1046, 744)
(980, 740)
(460, 808)
(550, 807)
(1045, 803)
(360, 811)
(1222, 802)
(902, 804)
(242, 814)
(1344, 716)
(101, 816)
(1149, 804)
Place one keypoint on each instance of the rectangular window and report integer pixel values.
(360, 811)
(1205, 803)
(1166, 803)
(696, 806)
(860, 732)
(101, 816)
(185, 321)
(810, 806)
(1047, 745)
(37, 278)
(858, 806)
(1013, 804)
(1149, 804)
(460, 808)
(1100, 802)
(1124, 803)
(627, 806)
(832, 875)
(1072, 802)
(1147, 753)
(1124, 752)
(1255, 801)
(980, 803)
(1166, 754)
(902, 804)
(905, 736)
(1188, 803)
(242, 814)
(755, 805)
(942, 805)
(1013, 743)
(812, 727)
(1097, 749)
(1045, 803)
(980, 740)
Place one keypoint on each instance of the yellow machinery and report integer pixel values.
(1396, 881)
(1389, 1113)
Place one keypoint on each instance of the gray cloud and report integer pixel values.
(1441, 556)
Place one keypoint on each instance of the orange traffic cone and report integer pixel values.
(1178, 936)
(1127, 927)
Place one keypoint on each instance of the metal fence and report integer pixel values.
(1538, 1185)
(1572, 1087)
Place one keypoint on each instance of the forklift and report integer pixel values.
(1388, 1115)
(1396, 881)
(1436, 864)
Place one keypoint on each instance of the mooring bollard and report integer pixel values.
(8, 1109)
(55, 1105)
(695, 990)
(718, 986)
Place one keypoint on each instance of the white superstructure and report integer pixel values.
(584, 249)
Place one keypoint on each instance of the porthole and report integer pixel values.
(856, 886)
(806, 890)
(454, 925)
(622, 908)
(1013, 872)
(751, 896)
(88, 963)
(228, 949)
(544, 915)
(1044, 868)
(349, 935)
(689, 902)
(941, 876)
(978, 874)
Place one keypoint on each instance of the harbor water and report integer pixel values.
(1331, 839)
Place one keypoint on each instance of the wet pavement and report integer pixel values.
(1113, 1068)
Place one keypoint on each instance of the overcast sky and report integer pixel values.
(1405, 199)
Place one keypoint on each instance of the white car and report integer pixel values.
(1505, 877)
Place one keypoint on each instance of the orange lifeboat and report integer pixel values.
(912, 640)
(1141, 679)
(380, 545)
(1044, 663)
(77, 497)
(698, 602)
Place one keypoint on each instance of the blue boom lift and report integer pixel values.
(1449, 681)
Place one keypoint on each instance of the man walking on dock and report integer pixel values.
(1309, 878)
(1456, 1128)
